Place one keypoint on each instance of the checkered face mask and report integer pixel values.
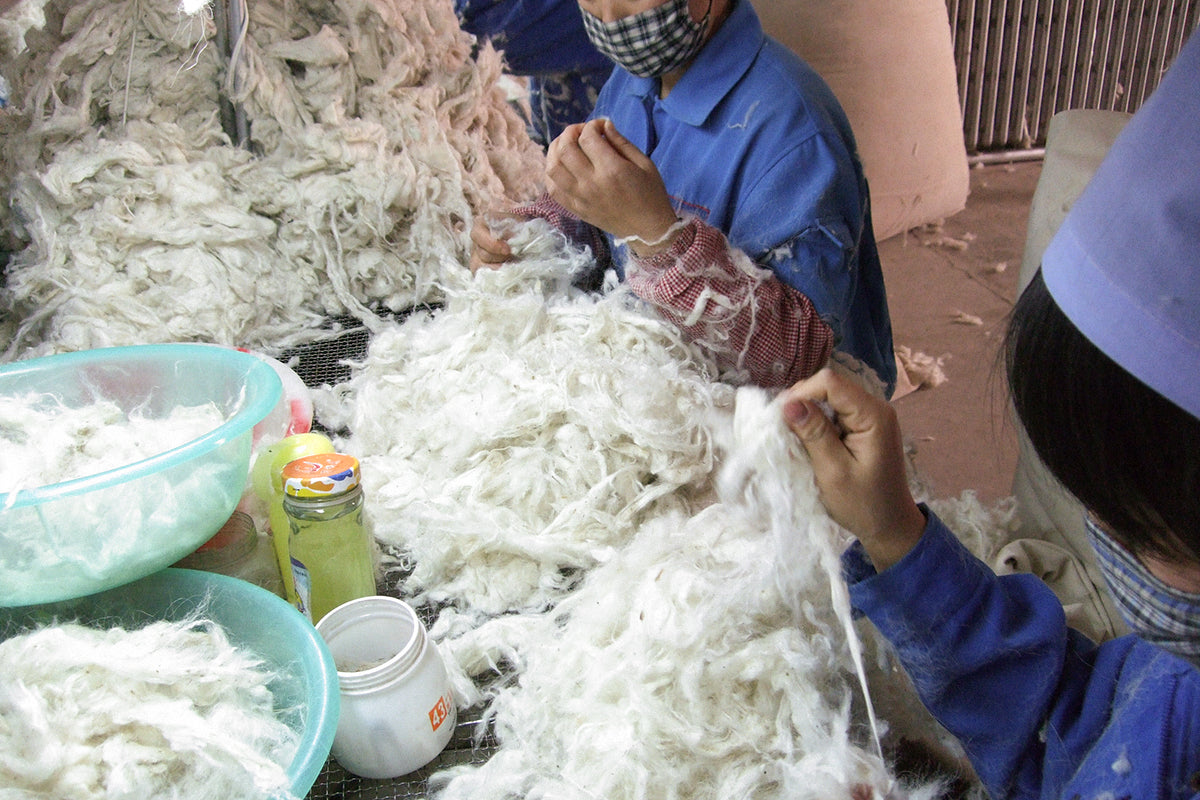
(651, 43)
(1162, 615)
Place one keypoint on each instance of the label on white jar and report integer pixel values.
(441, 711)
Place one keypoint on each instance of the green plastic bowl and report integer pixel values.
(92, 533)
(306, 689)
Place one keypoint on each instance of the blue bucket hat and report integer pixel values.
(1125, 264)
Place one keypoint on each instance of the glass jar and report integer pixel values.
(397, 707)
(266, 476)
(331, 553)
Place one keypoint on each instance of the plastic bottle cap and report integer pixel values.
(320, 475)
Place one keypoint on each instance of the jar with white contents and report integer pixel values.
(397, 707)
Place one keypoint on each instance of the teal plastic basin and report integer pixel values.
(306, 689)
(92, 533)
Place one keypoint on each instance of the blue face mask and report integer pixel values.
(1160, 614)
(651, 43)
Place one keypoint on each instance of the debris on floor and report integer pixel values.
(918, 370)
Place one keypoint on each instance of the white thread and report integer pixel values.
(675, 228)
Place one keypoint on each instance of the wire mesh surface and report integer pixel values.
(334, 783)
(327, 361)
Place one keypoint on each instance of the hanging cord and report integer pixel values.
(231, 17)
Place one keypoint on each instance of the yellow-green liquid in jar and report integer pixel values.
(330, 551)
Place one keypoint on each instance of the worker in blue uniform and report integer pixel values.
(726, 174)
(1103, 355)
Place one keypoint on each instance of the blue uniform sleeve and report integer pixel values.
(807, 219)
(991, 657)
(805, 223)
(538, 37)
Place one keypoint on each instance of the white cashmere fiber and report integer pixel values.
(46, 442)
(704, 659)
(635, 574)
(375, 136)
(520, 435)
(169, 710)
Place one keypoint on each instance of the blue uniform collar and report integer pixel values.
(719, 66)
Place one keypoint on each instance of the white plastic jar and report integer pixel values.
(398, 710)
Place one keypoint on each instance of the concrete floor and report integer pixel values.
(950, 289)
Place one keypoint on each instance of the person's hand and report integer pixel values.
(858, 461)
(491, 249)
(604, 179)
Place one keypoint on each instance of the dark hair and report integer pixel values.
(1128, 454)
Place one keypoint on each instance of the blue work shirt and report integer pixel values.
(1041, 710)
(753, 142)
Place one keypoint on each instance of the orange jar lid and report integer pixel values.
(320, 475)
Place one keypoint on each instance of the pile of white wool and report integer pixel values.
(375, 135)
(171, 709)
(639, 624)
(47, 442)
(704, 660)
(522, 433)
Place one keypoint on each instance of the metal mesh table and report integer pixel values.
(326, 361)
(334, 783)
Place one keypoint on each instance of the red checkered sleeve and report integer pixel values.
(571, 226)
(752, 323)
